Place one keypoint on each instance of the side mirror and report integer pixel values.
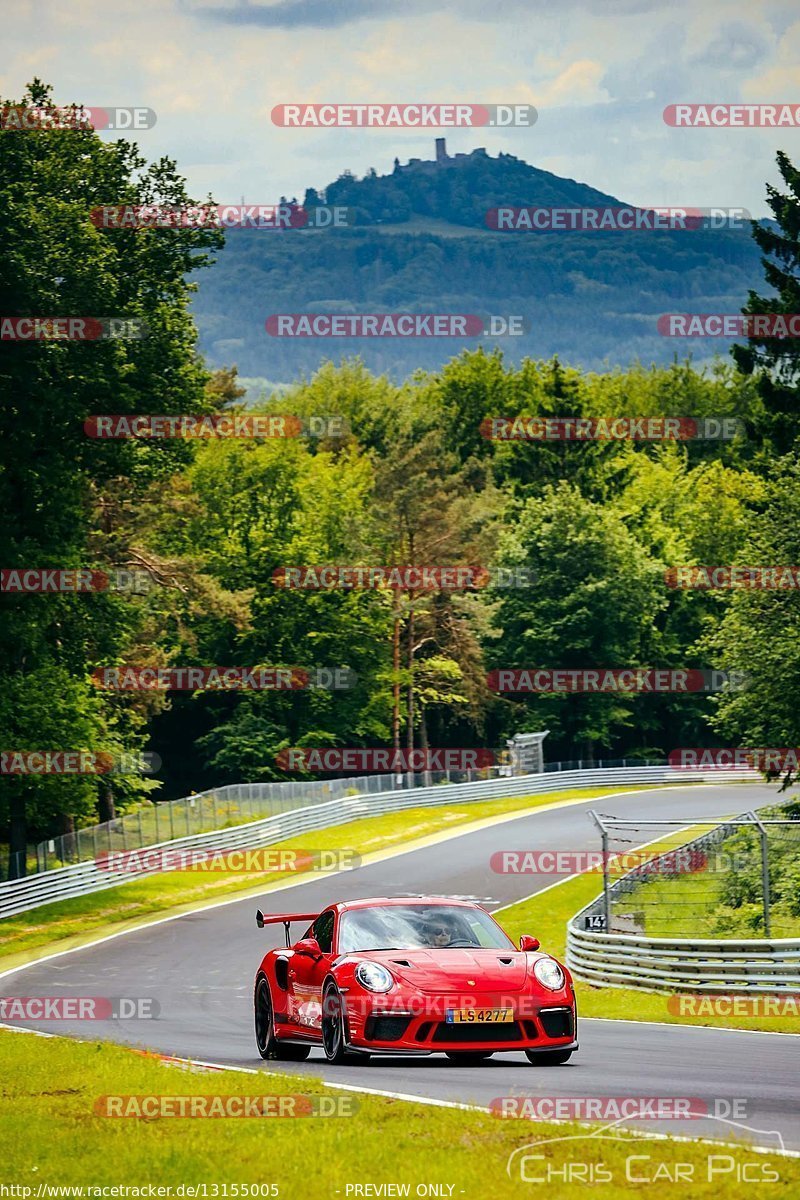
(526, 942)
(308, 946)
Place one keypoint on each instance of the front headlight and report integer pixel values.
(374, 977)
(549, 974)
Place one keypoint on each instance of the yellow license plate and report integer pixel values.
(481, 1016)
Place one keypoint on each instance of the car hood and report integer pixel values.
(454, 970)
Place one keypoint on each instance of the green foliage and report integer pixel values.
(55, 262)
(413, 481)
(760, 630)
(775, 362)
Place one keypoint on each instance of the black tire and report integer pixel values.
(268, 1045)
(548, 1058)
(334, 1041)
(468, 1058)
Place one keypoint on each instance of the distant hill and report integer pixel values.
(460, 190)
(420, 243)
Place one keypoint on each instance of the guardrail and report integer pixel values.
(752, 966)
(242, 803)
(46, 887)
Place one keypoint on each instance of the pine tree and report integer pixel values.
(776, 361)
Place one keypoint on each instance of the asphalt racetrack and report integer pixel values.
(200, 968)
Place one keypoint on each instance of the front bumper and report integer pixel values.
(538, 1024)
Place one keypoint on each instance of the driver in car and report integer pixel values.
(440, 931)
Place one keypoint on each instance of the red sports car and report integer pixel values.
(417, 975)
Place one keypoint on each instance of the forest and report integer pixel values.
(404, 475)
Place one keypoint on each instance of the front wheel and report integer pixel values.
(333, 1039)
(267, 1043)
(468, 1058)
(548, 1058)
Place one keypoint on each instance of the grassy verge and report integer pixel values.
(546, 917)
(698, 902)
(69, 922)
(51, 1134)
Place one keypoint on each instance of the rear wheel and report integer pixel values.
(468, 1058)
(267, 1043)
(548, 1058)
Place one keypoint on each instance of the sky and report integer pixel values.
(599, 74)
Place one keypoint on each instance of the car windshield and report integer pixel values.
(410, 926)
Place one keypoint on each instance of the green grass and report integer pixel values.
(695, 902)
(546, 917)
(51, 1133)
(69, 922)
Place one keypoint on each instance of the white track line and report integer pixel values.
(430, 1101)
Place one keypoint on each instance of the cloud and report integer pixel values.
(322, 14)
(319, 14)
(735, 48)
(579, 83)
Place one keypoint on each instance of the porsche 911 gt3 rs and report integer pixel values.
(416, 975)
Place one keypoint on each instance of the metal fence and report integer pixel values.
(239, 803)
(742, 877)
(83, 877)
(703, 915)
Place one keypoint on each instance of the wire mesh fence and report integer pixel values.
(236, 804)
(664, 879)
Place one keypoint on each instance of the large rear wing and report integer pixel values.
(284, 919)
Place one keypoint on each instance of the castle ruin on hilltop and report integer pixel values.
(442, 159)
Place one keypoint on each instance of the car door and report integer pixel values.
(307, 973)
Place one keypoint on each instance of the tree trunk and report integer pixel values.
(107, 810)
(18, 834)
(410, 663)
(398, 773)
(410, 694)
(423, 741)
(396, 685)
